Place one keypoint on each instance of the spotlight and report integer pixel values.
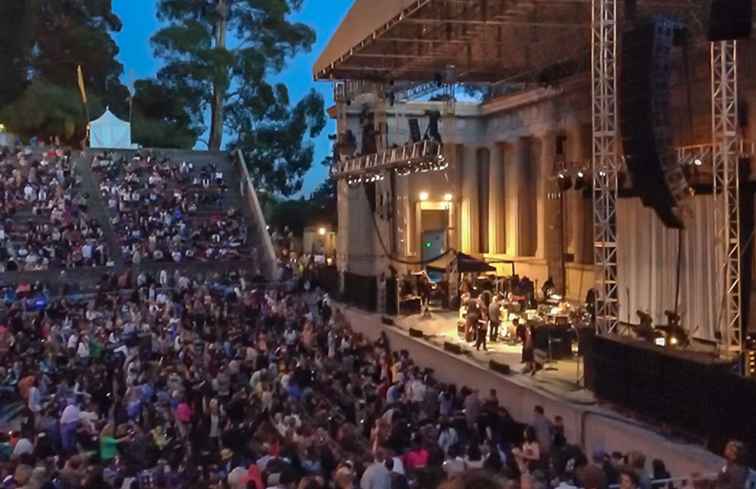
(697, 162)
(423, 196)
(565, 182)
(322, 231)
(448, 197)
(580, 180)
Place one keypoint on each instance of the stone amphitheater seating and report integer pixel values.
(220, 200)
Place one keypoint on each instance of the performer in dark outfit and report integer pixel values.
(525, 334)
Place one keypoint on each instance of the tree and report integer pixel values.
(46, 110)
(273, 139)
(161, 119)
(15, 48)
(41, 43)
(218, 54)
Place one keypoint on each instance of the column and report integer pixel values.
(512, 184)
(342, 239)
(527, 197)
(496, 209)
(469, 199)
(550, 221)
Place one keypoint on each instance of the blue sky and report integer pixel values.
(140, 22)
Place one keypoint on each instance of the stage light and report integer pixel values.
(580, 180)
(423, 196)
(697, 162)
(674, 341)
(565, 182)
(448, 197)
(322, 231)
(2, 127)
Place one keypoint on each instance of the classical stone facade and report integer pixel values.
(497, 196)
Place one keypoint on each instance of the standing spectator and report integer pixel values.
(544, 430)
(472, 408)
(733, 474)
(376, 475)
(628, 479)
(529, 455)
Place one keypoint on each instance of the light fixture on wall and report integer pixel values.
(322, 231)
(423, 196)
(448, 197)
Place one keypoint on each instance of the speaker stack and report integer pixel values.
(658, 178)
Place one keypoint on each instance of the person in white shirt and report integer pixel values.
(23, 446)
(376, 476)
(69, 422)
(35, 401)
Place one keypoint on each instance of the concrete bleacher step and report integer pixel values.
(232, 198)
(90, 181)
(97, 207)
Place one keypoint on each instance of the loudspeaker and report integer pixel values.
(501, 368)
(658, 178)
(414, 127)
(415, 333)
(453, 348)
(730, 20)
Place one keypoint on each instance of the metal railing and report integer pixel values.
(268, 255)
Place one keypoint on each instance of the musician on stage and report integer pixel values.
(526, 335)
(494, 317)
(482, 333)
(471, 319)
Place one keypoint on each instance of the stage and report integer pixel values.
(562, 378)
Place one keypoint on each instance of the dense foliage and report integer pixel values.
(41, 43)
(218, 56)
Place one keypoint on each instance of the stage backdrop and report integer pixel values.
(647, 253)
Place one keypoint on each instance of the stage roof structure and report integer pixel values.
(483, 40)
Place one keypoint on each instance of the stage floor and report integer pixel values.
(562, 378)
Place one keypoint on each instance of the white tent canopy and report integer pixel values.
(110, 132)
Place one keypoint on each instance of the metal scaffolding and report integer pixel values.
(725, 158)
(605, 160)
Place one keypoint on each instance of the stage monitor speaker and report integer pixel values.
(387, 321)
(415, 333)
(730, 20)
(501, 368)
(414, 127)
(658, 177)
(453, 348)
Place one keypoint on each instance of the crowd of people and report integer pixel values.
(170, 211)
(44, 223)
(212, 383)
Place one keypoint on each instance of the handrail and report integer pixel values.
(249, 193)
